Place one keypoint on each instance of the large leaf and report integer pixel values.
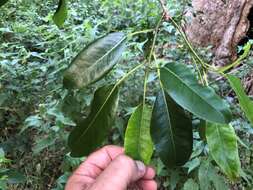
(138, 142)
(61, 13)
(181, 84)
(222, 143)
(92, 131)
(245, 102)
(171, 131)
(95, 60)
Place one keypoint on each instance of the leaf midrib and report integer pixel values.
(170, 128)
(107, 53)
(97, 114)
(185, 84)
(223, 148)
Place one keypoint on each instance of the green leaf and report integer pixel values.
(192, 164)
(190, 184)
(208, 177)
(96, 60)
(2, 2)
(14, 176)
(92, 131)
(138, 142)
(222, 143)
(61, 13)
(245, 102)
(171, 131)
(180, 83)
(42, 143)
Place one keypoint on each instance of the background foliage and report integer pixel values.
(34, 105)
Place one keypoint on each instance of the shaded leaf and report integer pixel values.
(180, 83)
(245, 102)
(138, 143)
(222, 143)
(42, 143)
(190, 184)
(92, 131)
(192, 164)
(61, 13)
(209, 178)
(171, 131)
(2, 2)
(12, 176)
(96, 60)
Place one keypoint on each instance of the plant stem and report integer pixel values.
(140, 32)
(111, 92)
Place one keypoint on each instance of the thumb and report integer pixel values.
(119, 174)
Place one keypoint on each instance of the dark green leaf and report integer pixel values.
(2, 2)
(95, 60)
(61, 13)
(222, 143)
(138, 142)
(171, 131)
(92, 131)
(181, 84)
(245, 102)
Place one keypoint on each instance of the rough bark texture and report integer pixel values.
(220, 23)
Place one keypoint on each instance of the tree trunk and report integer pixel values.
(220, 23)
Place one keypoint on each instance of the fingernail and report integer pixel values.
(141, 166)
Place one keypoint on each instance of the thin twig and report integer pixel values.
(166, 14)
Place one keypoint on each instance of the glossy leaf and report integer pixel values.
(92, 131)
(180, 83)
(95, 61)
(222, 143)
(171, 131)
(61, 13)
(245, 102)
(138, 142)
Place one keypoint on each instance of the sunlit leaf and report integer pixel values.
(171, 131)
(180, 83)
(92, 131)
(245, 102)
(222, 143)
(61, 13)
(138, 143)
(96, 60)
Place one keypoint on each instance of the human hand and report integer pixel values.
(109, 169)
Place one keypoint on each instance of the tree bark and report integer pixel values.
(220, 23)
